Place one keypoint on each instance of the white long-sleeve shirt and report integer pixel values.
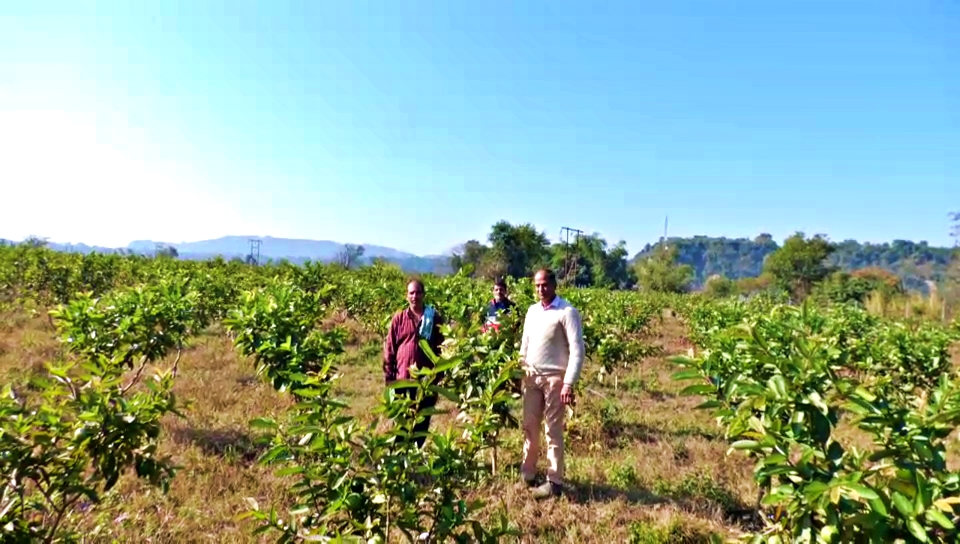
(552, 340)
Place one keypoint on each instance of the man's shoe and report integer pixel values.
(525, 482)
(547, 490)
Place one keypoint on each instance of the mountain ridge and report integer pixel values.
(295, 250)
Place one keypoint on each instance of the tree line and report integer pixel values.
(720, 265)
(736, 258)
(520, 250)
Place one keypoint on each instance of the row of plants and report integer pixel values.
(846, 415)
(69, 435)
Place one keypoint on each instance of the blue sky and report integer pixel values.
(417, 125)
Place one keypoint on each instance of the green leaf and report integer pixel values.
(879, 507)
(814, 490)
(698, 389)
(862, 490)
(264, 423)
(773, 499)
(902, 504)
(445, 367)
(287, 471)
(745, 445)
(401, 384)
(446, 393)
(691, 374)
(936, 516)
(917, 530)
(778, 386)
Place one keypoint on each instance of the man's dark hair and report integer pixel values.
(500, 282)
(418, 282)
(551, 276)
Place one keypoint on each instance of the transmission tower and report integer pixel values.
(254, 256)
(570, 256)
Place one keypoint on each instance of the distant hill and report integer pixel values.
(275, 249)
(272, 248)
(915, 262)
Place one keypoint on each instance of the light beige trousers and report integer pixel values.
(542, 406)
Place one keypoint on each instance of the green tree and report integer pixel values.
(800, 263)
(842, 286)
(518, 251)
(616, 271)
(521, 248)
(469, 256)
(35, 241)
(736, 258)
(661, 272)
(350, 255)
(169, 252)
(719, 286)
(574, 263)
(593, 263)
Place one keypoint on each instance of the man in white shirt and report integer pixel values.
(551, 353)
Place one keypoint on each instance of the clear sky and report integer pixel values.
(417, 125)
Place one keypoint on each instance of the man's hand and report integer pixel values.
(566, 394)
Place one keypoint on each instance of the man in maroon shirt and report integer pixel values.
(401, 349)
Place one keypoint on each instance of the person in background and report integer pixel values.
(402, 351)
(499, 305)
(551, 354)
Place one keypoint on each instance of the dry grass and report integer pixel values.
(641, 461)
(911, 305)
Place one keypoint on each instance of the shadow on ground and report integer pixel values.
(617, 434)
(229, 444)
(731, 509)
(580, 492)
(693, 495)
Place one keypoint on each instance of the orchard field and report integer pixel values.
(157, 400)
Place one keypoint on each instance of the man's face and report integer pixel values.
(499, 292)
(414, 294)
(545, 288)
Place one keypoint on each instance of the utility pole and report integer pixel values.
(570, 257)
(254, 256)
(662, 244)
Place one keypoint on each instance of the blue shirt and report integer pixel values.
(494, 307)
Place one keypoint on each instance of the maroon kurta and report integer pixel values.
(401, 348)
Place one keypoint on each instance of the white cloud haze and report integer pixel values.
(73, 178)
